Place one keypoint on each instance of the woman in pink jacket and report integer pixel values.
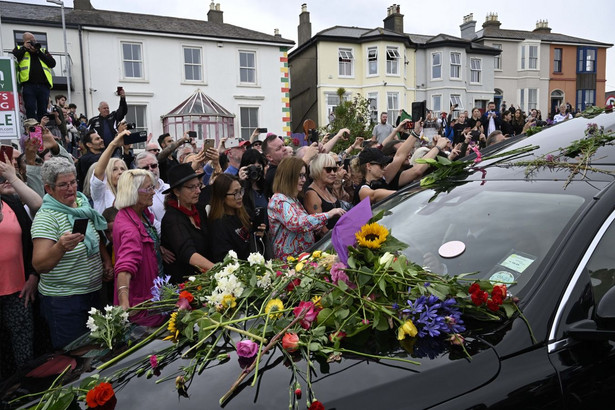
(137, 245)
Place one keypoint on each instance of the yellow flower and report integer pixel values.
(316, 254)
(274, 305)
(407, 328)
(316, 301)
(290, 258)
(229, 301)
(299, 266)
(172, 328)
(372, 235)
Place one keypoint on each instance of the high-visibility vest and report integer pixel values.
(24, 69)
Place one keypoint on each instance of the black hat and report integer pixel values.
(179, 174)
(373, 155)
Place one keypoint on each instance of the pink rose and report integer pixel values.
(337, 273)
(311, 312)
(246, 348)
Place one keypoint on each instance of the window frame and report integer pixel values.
(141, 61)
(456, 99)
(532, 103)
(582, 60)
(248, 68)
(372, 97)
(393, 56)
(135, 119)
(497, 60)
(557, 62)
(392, 112)
(433, 66)
(371, 59)
(249, 128)
(345, 59)
(478, 71)
(456, 65)
(581, 103)
(436, 109)
(200, 65)
(532, 60)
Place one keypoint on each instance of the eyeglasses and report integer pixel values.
(150, 189)
(149, 166)
(331, 169)
(153, 150)
(302, 176)
(237, 194)
(192, 187)
(65, 185)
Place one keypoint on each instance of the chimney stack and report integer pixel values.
(542, 26)
(82, 5)
(214, 15)
(276, 32)
(304, 29)
(468, 27)
(394, 21)
(492, 21)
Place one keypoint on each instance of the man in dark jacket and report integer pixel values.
(106, 123)
(95, 146)
(35, 64)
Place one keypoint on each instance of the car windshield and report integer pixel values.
(503, 231)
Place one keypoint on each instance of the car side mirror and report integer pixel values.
(603, 328)
(605, 311)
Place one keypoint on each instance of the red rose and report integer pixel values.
(293, 284)
(474, 288)
(316, 405)
(99, 395)
(480, 297)
(493, 305)
(497, 299)
(290, 342)
(186, 295)
(499, 291)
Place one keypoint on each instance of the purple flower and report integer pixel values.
(337, 273)
(246, 348)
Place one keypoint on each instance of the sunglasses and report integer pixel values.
(150, 166)
(331, 169)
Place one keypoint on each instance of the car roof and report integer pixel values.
(549, 141)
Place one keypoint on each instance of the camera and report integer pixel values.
(254, 173)
(131, 125)
(37, 46)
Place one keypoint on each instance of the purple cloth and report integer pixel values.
(349, 224)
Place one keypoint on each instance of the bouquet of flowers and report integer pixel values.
(108, 327)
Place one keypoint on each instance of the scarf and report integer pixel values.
(83, 210)
(188, 212)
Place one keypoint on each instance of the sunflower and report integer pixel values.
(174, 336)
(372, 235)
(275, 305)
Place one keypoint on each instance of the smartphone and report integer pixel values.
(80, 225)
(209, 143)
(135, 137)
(192, 134)
(261, 130)
(314, 136)
(259, 217)
(37, 134)
(231, 143)
(119, 89)
(8, 151)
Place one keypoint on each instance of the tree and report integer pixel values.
(354, 115)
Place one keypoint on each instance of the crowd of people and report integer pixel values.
(86, 222)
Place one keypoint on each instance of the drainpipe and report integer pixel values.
(85, 104)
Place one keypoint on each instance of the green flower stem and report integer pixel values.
(49, 390)
(260, 352)
(134, 348)
(269, 346)
(526, 323)
(200, 342)
(397, 359)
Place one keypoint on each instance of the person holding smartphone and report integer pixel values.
(106, 123)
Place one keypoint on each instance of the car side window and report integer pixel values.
(601, 265)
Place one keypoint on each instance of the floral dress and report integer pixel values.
(291, 228)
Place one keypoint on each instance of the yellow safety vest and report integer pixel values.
(24, 69)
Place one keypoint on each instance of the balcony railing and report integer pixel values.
(59, 72)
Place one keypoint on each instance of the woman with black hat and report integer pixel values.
(184, 226)
(371, 164)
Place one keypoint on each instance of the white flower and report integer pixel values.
(124, 316)
(387, 259)
(93, 311)
(264, 281)
(191, 278)
(108, 308)
(256, 258)
(91, 325)
(232, 254)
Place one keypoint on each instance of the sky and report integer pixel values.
(594, 22)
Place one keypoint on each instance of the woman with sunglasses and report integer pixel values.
(138, 260)
(229, 222)
(291, 228)
(184, 226)
(318, 196)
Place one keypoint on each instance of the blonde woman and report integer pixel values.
(318, 196)
(107, 172)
